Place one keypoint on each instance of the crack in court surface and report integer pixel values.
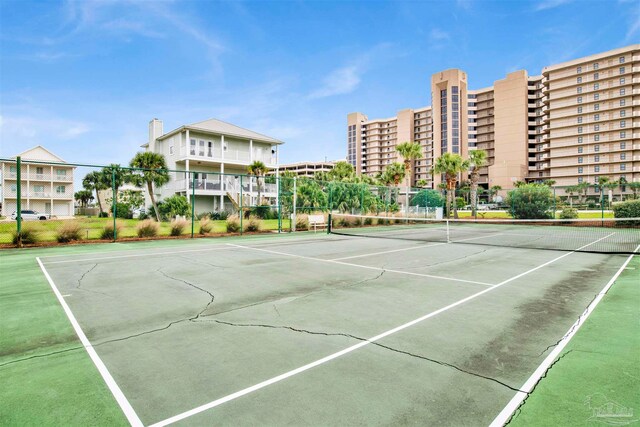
(386, 347)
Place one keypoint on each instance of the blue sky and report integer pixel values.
(83, 78)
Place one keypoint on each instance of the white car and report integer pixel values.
(30, 215)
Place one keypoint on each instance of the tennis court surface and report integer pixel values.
(337, 329)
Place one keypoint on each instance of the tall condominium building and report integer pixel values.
(575, 122)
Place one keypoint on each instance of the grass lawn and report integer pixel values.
(93, 227)
(600, 366)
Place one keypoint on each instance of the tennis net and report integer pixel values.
(608, 236)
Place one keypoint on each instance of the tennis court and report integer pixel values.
(371, 326)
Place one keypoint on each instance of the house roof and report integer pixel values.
(39, 153)
(223, 128)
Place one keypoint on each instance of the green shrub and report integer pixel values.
(177, 227)
(368, 221)
(233, 224)
(29, 236)
(148, 228)
(428, 198)
(460, 203)
(302, 222)
(205, 226)
(568, 213)
(344, 221)
(107, 231)
(123, 210)
(394, 207)
(628, 209)
(530, 201)
(143, 216)
(252, 224)
(69, 232)
(264, 212)
(103, 215)
(171, 207)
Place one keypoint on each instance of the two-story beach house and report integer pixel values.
(46, 185)
(218, 153)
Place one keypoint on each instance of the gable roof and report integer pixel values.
(219, 127)
(39, 153)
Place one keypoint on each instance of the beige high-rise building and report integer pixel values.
(575, 122)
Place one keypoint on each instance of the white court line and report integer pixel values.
(354, 347)
(148, 254)
(412, 247)
(409, 273)
(126, 407)
(504, 416)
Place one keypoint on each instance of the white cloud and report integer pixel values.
(550, 4)
(37, 130)
(437, 34)
(338, 82)
(634, 28)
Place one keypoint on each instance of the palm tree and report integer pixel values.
(451, 165)
(394, 173)
(257, 169)
(422, 183)
(152, 169)
(635, 187)
(477, 160)
(582, 188)
(549, 182)
(94, 181)
(571, 190)
(84, 197)
(409, 151)
(606, 182)
(115, 177)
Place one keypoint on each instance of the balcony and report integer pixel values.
(228, 156)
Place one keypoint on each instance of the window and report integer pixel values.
(579, 149)
(596, 96)
(38, 189)
(192, 149)
(596, 168)
(623, 134)
(622, 91)
(14, 188)
(579, 140)
(621, 70)
(60, 173)
(596, 137)
(579, 100)
(623, 156)
(596, 66)
(622, 123)
(596, 107)
(621, 60)
(621, 80)
(579, 129)
(580, 119)
(580, 160)
(623, 113)
(596, 127)
(580, 169)
(39, 170)
(579, 70)
(596, 86)
(596, 148)
(623, 166)
(596, 117)
(596, 76)
(579, 80)
(596, 158)
(579, 89)
(623, 102)
(579, 179)
(579, 110)
(61, 189)
(171, 149)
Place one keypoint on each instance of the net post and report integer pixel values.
(193, 203)
(114, 200)
(19, 201)
(329, 222)
(241, 205)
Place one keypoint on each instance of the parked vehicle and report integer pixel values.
(31, 215)
(137, 212)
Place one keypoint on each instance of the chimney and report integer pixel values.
(155, 132)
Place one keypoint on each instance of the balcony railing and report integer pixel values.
(243, 156)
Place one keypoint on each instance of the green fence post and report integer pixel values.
(114, 200)
(241, 213)
(554, 203)
(601, 204)
(279, 205)
(330, 206)
(193, 204)
(19, 200)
